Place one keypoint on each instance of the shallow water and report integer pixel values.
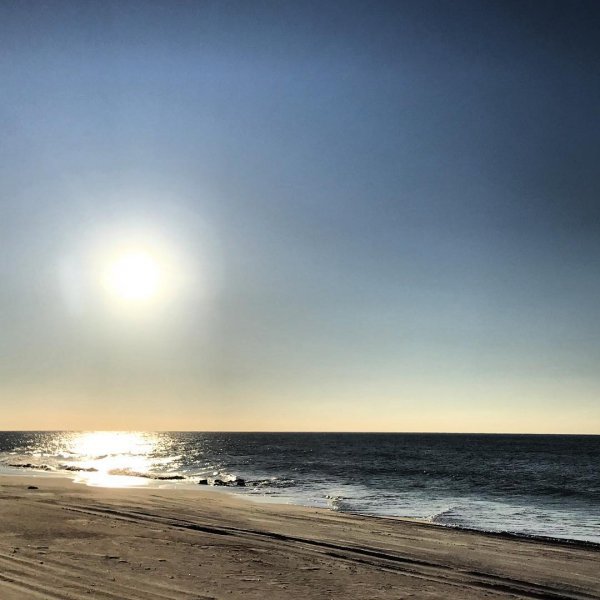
(532, 485)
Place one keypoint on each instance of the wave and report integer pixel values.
(82, 469)
(272, 482)
(338, 503)
(155, 476)
(445, 516)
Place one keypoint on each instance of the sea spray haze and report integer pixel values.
(546, 485)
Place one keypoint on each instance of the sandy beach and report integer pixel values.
(66, 541)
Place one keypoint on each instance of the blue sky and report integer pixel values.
(385, 215)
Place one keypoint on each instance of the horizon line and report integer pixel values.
(292, 432)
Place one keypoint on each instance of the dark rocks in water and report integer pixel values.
(30, 466)
(168, 477)
(33, 487)
(237, 482)
(203, 482)
(78, 469)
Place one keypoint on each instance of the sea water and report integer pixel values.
(537, 485)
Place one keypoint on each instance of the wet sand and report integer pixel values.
(66, 541)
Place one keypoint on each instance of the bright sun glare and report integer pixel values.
(113, 459)
(134, 276)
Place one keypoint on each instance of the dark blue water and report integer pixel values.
(535, 485)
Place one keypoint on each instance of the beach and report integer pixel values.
(61, 540)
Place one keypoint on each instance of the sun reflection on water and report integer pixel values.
(113, 458)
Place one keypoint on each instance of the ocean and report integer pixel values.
(534, 485)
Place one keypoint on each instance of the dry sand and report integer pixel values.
(65, 540)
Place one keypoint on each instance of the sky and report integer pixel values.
(361, 216)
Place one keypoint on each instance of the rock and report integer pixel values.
(32, 487)
(220, 482)
(237, 482)
(30, 466)
(78, 469)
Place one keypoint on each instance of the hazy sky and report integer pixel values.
(367, 215)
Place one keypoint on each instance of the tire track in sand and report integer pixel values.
(62, 581)
(430, 571)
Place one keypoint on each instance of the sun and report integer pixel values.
(134, 276)
(139, 275)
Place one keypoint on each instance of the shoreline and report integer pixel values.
(65, 541)
(507, 535)
(150, 483)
